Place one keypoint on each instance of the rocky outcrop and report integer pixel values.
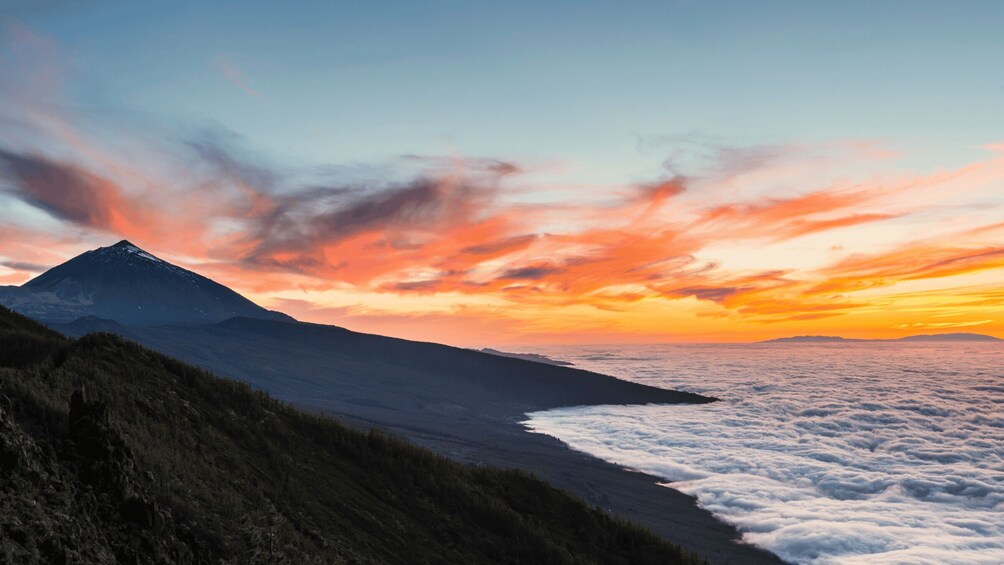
(79, 497)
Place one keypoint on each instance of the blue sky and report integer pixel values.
(576, 81)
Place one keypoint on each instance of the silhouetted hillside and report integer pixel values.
(112, 453)
(810, 339)
(950, 337)
(528, 357)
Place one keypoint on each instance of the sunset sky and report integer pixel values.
(482, 174)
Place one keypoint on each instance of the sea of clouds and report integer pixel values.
(864, 453)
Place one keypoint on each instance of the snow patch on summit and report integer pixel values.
(146, 255)
(133, 250)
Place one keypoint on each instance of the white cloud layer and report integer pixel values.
(869, 453)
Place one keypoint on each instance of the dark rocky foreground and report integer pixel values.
(111, 453)
(60, 497)
(464, 404)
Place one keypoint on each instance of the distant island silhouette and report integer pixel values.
(921, 338)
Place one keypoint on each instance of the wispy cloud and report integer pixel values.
(786, 218)
(235, 75)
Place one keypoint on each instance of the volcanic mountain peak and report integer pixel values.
(122, 282)
(121, 259)
(125, 246)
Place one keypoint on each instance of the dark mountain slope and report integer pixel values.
(311, 363)
(126, 284)
(110, 452)
(421, 390)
